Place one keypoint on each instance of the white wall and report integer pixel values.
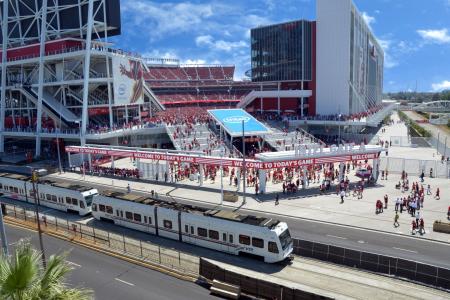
(333, 56)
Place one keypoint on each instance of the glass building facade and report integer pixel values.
(282, 52)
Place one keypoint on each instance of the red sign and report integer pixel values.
(217, 161)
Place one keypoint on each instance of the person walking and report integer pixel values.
(437, 196)
(421, 226)
(397, 204)
(396, 217)
(128, 188)
(417, 218)
(277, 199)
(342, 196)
(386, 201)
(428, 190)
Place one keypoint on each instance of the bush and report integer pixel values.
(413, 125)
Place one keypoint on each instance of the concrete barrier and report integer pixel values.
(440, 226)
(418, 272)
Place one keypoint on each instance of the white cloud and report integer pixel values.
(159, 19)
(440, 86)
(194, 62)
(389, 61)
(221, 45)
(369, 19)
(439, 36)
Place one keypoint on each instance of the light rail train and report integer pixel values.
(219, 230)
(57, 195)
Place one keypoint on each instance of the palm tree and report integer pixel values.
(22, 277)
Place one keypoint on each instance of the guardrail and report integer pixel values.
(118, 243)
(393, 266)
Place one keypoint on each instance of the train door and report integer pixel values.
(189, 233)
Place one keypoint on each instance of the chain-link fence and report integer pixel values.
(144, 251)
(396, 165)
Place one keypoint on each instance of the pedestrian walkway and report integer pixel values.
(308, 203)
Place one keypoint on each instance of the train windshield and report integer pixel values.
(285, 239)
(88, 200)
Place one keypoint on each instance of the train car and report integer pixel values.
(57, 195)
(214, 229)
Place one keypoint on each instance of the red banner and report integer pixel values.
(217, 161)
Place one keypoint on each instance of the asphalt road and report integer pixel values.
(411, 248)
(112, 278)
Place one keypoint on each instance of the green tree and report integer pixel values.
(22, 277)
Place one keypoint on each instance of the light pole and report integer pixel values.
(244, 173)
(221, 174)
(34, 179)
(3, 233)
(339, 142)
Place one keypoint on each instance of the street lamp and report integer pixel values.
(34, 179)
(339, 141)
(222, 151)
(243, 163)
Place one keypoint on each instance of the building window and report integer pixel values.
(213, 234)
(202, 232)
(137, 217)
(167, 224)
(273, 247)
(259, 243)
(244, 239)
(129, 215)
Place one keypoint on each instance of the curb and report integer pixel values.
(77, 241)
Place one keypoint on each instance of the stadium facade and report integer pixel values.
(335, 62)
(63, 83)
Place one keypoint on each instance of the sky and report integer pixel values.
(415, 34)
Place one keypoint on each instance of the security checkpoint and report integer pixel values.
(302, 157)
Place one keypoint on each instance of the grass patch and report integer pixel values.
(413, 126)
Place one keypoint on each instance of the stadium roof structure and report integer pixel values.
(231, 120)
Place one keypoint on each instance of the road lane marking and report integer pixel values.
(74, 264)
(338, 237)
(405, 249)
(123, 281)
(361, 242)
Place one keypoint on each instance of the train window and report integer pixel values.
(109, 210)
(224, 237)
(82, 204)
(149, 220)
(137, 217)
(192, 229)
(231, 238)
(117, 212)
(54, 198)
(244, 239)
(272, 247)
(1, 186)
(213, 234)
(48, 197)
(186, 228)
(68, 200)
(145, 219)
(88, 200)
(167, 224)
(129, 215)
(259, 243)
(101, 207)
(74, 201)
(202, 232)
(21, 191)
(121, 214)
(94, 207)
(16, 190)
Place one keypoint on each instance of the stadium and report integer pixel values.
(64, 83)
